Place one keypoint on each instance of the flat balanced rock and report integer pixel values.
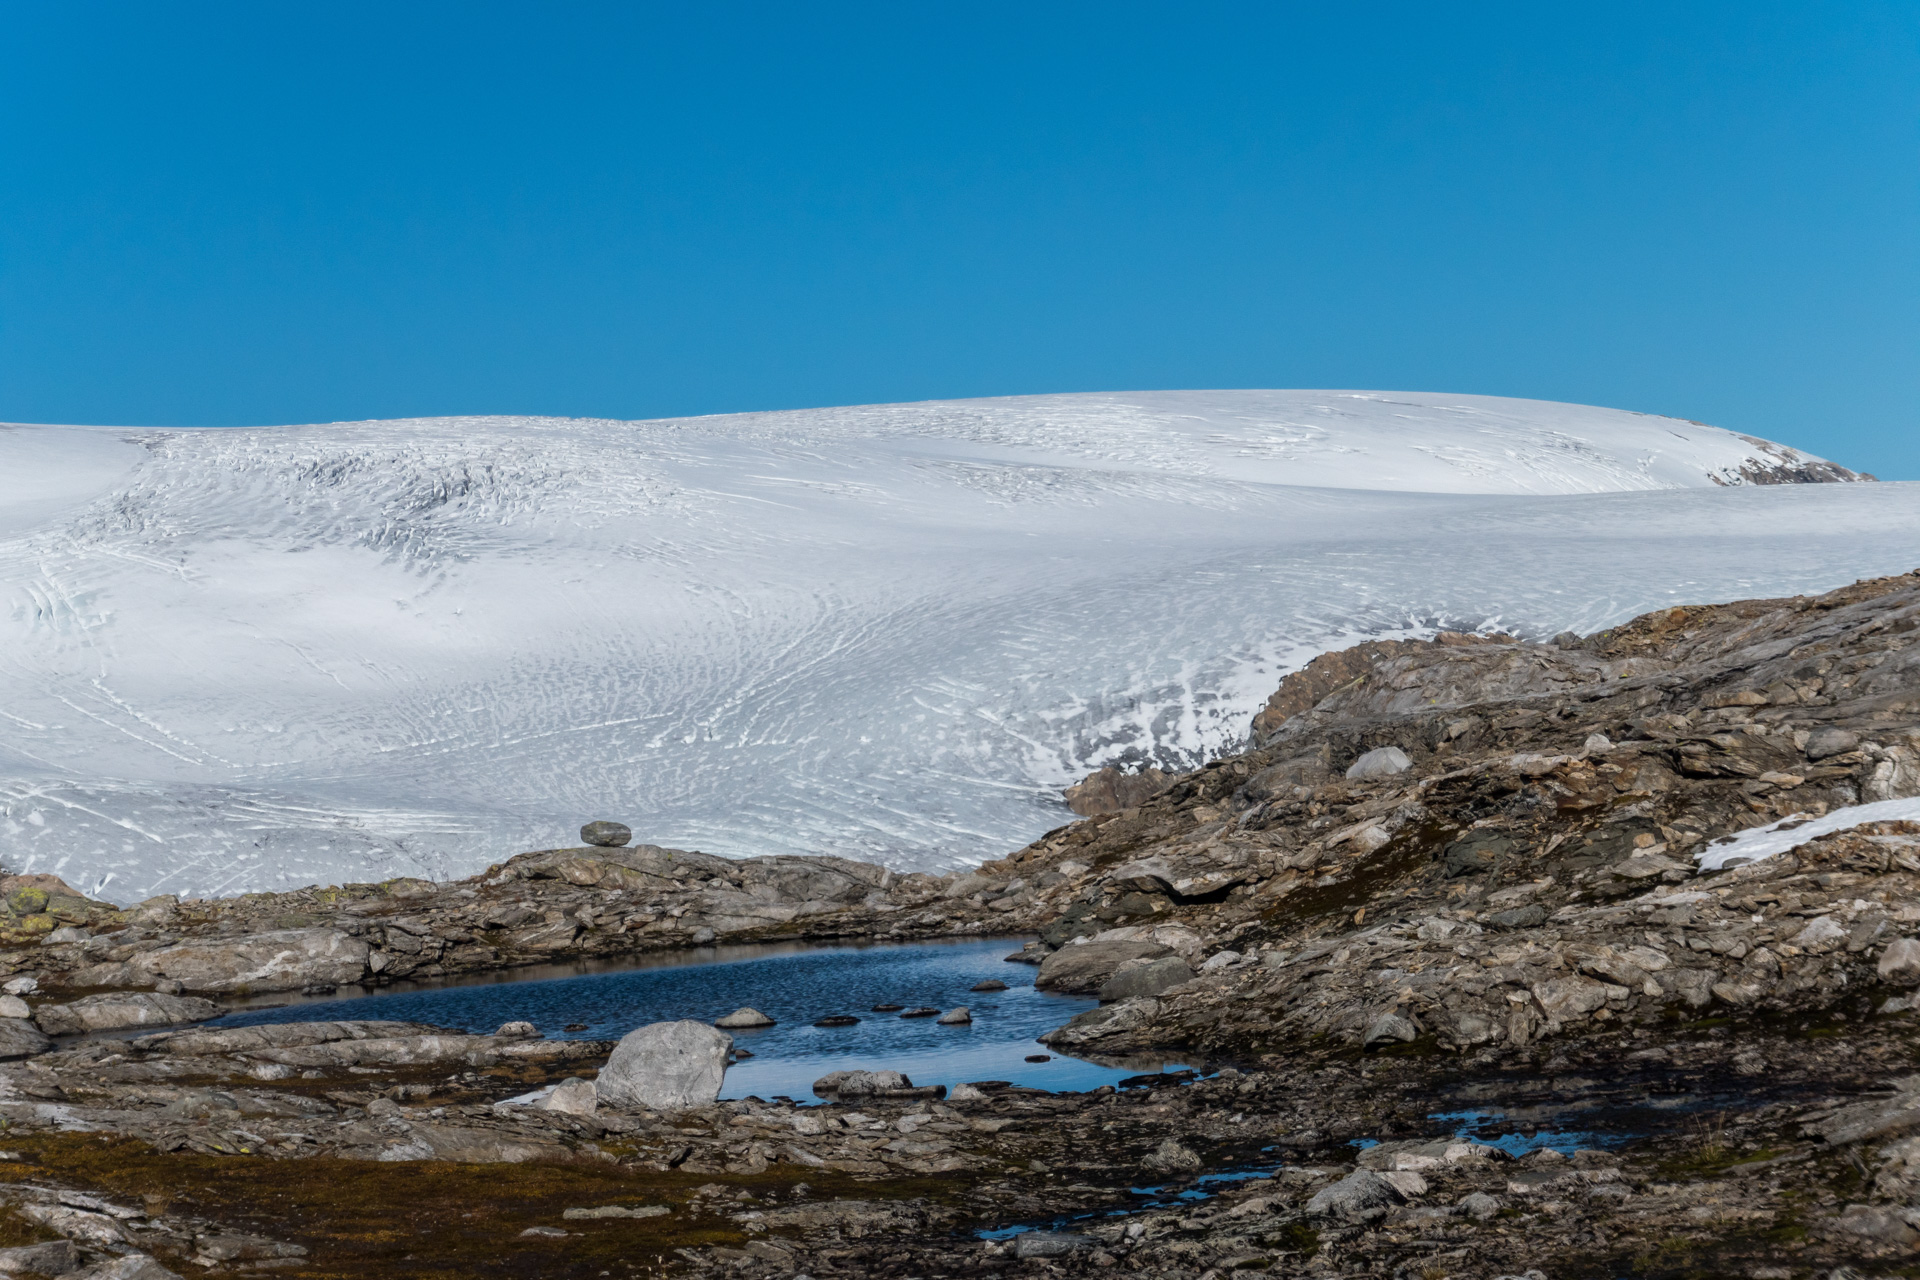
(666, 1066)
(742, 1019)
(608, 835)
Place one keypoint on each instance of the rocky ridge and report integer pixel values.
(1451, 878)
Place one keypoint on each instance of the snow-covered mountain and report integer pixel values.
(253, 658)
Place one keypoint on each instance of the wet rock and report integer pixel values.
(924, 1011)
(1085, 967)
(743, 1018)
(1361, 1196)
(574, 1096)
(518, 1031)
(1529, 917)
(606, 835)
(989, 984)
(860, 1084)
(668, 1066)
(1048, 1244)
(282, 960)
(956, 1017)
(116, 1012)
(1381, 762)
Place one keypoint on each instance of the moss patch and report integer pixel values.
(435, 1221)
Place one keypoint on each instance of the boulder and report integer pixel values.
(116, 1011)
(667, 1066)
(284, 960)
(1831, 742)
(1381, 762)
(1144, 978)
(54, 1259)
(742, 1019)
(1900, 963)
(1048, 1244)
(14, 1007)
(574, 1096)
(1361, 1196)
(1171, 1157)
(1085, 967)
(606, 835)
(860, 1084)
(21, 1039)
(956, 1017)
(1109, 791)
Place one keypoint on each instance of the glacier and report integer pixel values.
(254, 658)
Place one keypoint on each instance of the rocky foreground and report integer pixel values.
(1452, 894)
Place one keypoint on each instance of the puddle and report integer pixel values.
(795, 985)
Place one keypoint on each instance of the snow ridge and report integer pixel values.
(263, 657)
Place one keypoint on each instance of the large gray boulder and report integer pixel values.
(284, 960)
(666, 1066)
(1084, 967)
(116, 1011)
(606, 835)
(1381, 762)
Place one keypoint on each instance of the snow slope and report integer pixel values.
(254, 658)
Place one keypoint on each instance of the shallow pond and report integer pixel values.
(792, 984)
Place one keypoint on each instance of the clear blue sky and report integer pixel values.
(250, 213)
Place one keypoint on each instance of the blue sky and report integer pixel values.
(220, 214)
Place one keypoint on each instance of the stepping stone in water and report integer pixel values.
(838, 1020)
(991, 984)
(888, 1008)
(921, 1012)
(1039, 1057)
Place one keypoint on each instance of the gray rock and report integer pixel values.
(238, 1248)
(606, 835)
(1048, 1244)
(1480, 1205)
(1885, 1226)
(574, 1096)
(14, 1007)
(1381, 762)
(1900, 963)
(988, 984)
(518, 1031)
(1145, 978)
(1473, 854)
(859, 1084)
(21, 1039)
(1391, 1026)
(1171, 1157)
(1085, 967)
(116, 1011)
(668, 1066)
(285, 960)
(1831, 742)
(1518, 918)
(956, 1017)
(619, 1211)
(1361, 1196)
(54, 1259)
(742, 1019)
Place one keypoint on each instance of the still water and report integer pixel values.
(794, 985)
